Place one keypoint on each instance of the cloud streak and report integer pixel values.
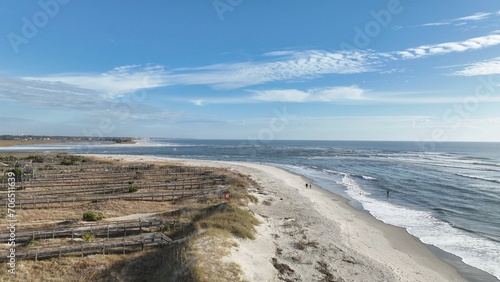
(278, 66)
(62, 96)
(449, 47)
(331, 94)
(289, 65)
(462, 20)
(115, 83)
(481, 68)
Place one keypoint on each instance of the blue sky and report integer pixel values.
(241, 69)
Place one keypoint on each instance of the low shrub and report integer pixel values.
(89, 237)
(67, 162)
(92, 216)
(36, 159)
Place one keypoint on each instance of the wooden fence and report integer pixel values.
(102, 247)
(47, 202)
(98, 229)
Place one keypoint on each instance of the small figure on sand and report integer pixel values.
(306, 185)
(310, 186)
(387, 194)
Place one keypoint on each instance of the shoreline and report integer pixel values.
(466, 271)
(364, 246)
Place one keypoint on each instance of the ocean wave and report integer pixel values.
(333, 171)
(479, 177)
(475, 250)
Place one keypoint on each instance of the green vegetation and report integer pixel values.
(132, 189)
(17, 171)
(231, 219)
(67, 162)
(73, 160)
(36, 159)
(32, 243)
(18, 174)
(92, 216)
(89, 237)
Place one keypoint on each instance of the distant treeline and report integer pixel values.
(67, 138)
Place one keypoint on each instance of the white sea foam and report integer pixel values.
(368, 177)
(333, 171)
(474, 250)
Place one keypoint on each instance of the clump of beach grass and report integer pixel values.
(231, 219)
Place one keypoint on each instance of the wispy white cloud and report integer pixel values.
(330, 94)
(287, 65)
(61, 96)
(476, 17)
(449, 47)
(317, 95)
(278, 66)
(353, 95)
(462, 20)
(481, 68)
(115, 83)
(283, 95)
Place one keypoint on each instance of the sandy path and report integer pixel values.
(311, 234)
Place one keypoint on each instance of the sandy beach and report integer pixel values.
(314, 235)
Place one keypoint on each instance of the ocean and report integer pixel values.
(445, 194)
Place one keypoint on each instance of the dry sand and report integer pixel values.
(314, 235)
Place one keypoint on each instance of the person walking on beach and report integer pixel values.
(306, 185)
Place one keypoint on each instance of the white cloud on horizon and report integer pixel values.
(327, 95)
(284, 95)
(489, 67)
(352, 95)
